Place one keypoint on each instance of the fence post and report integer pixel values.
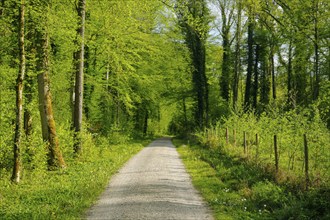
(257, 146)
(235, 137)
(276, 153)
(227, 136)
(306, 161)
(245, 145)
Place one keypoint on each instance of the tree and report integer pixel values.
(248, 87)
(237, 65)
(226, 8)
(194, 19)
(55, 158)
(79, 82)
(16, 175)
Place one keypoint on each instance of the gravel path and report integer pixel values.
(152, 185)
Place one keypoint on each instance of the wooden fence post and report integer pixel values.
(235, 137)
(227, 136)
(306, 161)
(257, 146)
(276, 153)
(245, 145)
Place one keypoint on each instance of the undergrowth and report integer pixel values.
(238, 189)
(68, 193)
(289, 128)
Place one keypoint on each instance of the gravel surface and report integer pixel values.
(152, 185)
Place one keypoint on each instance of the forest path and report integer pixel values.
(152, 185)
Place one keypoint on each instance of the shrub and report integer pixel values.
(267, 195)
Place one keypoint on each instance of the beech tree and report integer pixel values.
(194, 20)
(16, 175)
(226, 9)
(55, 158)
(79, 82)
(250, 59)
(238, 63)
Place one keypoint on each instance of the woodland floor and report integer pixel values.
(152, 185)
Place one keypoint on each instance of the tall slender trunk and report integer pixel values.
(272, 64)
(27, 112)
(29, 93)
(145, 125)
(16, 175)
(291, 95)
(237, 68)
(201, 83)
(328, 62)
(79, 83)
(205, 85)
(316, 51)
(225, 75)
(195, 41)
(72, 96)
(55, 158)
(197, 48)
(247, 100)
(256, 78)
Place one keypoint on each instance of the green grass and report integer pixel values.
(237, 189)
(63, 194)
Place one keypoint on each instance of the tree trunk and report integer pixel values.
(55, 158)
(197, 48)
(328, 63)
(79, 83)
(247, 100)
(237, 68)
(200, 81)
(256, 78)
(29, 98)
(265, 74)
(291, 95)
(16, 175)
(316, 51)
(225, 75)
(195, 41)
(272, 63)
(145, 125)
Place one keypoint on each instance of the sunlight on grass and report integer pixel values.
(64, 194)
(234, 189)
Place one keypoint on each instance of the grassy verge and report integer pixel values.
(236, 189)
(66, 194)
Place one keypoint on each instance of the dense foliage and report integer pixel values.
(134, 67)
(83, 70)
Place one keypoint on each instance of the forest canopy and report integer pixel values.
(77, 70)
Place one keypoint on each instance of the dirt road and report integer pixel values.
(152, 185)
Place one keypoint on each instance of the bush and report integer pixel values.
(269, 196)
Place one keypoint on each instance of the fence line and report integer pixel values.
(275, 151)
